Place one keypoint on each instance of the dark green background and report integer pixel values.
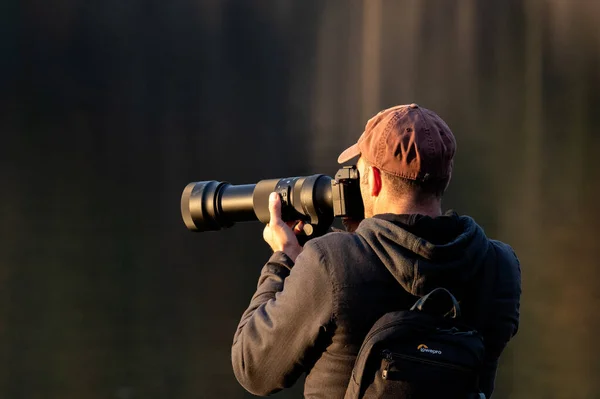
(109, 108)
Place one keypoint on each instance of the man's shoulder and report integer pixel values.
(505, 252)
(334, 240)
(334, 248)
(508, 273)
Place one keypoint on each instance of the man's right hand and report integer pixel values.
(281, 236)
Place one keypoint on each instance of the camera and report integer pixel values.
(316, 200)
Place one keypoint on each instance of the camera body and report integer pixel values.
(347, 200)
(315, 199)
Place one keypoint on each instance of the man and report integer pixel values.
(315, 304)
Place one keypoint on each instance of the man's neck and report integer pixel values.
(431, 208)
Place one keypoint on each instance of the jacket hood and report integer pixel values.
(423, 253)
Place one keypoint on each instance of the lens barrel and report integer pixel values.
(213, 205)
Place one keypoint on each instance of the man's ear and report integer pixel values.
(375, 181)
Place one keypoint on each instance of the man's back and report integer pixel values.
(342, 283)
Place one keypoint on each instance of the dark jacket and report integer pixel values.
(312, 318)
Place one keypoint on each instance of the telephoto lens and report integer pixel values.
(316, 200)
(213, 205)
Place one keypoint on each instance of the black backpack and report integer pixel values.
(419, 353)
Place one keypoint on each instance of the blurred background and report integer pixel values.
(109, 108)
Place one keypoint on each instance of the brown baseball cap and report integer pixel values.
(407, 141)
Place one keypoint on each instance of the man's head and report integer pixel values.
(406, 158)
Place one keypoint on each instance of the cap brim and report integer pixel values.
(349, 153)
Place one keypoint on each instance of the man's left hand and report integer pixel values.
(281, 236)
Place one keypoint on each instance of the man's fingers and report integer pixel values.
(275, 215)
(274, 208)
(298, 228)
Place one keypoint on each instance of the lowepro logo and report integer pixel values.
(424, 349)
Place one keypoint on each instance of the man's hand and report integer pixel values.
(279, 235)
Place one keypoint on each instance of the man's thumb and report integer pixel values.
(274, 207)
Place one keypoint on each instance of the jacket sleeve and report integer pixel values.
(504, 323)
(280, 332)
